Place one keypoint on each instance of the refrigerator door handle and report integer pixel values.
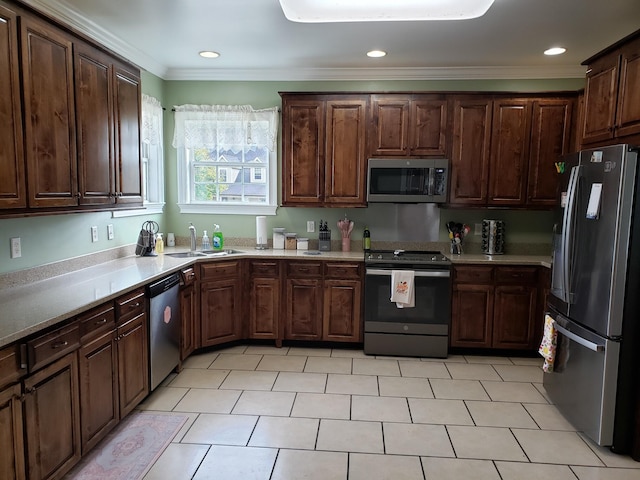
(578, 339)
(567, 233)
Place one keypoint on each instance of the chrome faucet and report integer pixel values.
(192, 232)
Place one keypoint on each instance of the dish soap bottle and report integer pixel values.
(366, 239)
(218, 239)
(159, 243)
(205, 241)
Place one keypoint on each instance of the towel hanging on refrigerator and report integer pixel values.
(549, 343)
(402, 289)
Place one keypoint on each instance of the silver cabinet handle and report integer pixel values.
(579, 340)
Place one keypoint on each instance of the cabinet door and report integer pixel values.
(514, 317)
(98, 389)
(264, 308)
(428, 126)
(188, 317)
(13, 192)
(390, 125)
(94, 120)
(304, 309)
(303, 123)
(470, 151)
(50, 139)
(472, 316)
(220, 314)
(128, 107)
(11, 434)
(342, 310)
(600, 100)
(133, 363)
(509, 158)
(345, 161)
(628, 110)
(52, 418)
(550, 139)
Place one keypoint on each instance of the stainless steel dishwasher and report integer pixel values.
(164, 328)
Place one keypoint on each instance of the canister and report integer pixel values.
(278, 238)
(290, 241)
(302, 243)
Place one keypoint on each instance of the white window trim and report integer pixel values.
(184, 203)
(151, 133)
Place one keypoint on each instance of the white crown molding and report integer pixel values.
(61, 11)
(413, 73)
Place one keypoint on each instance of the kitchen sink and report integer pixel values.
(185, 254)
(227, 251)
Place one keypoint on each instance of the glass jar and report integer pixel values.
(290, 241)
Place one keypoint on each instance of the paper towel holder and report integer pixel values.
(261, 233)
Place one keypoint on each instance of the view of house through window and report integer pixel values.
(226, 158)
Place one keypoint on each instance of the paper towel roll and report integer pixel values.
(261, 230)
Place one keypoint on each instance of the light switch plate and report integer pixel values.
(94, 234)
(16, 248)
(110, 232)
(311, 226)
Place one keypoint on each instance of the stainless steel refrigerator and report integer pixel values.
(595, 294)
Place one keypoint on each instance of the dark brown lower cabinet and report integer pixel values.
(52, 418)
(99, 398)
(303, 319)
(133, 363)
(12, 461)
(220, 303)
(189, 309)
(265, 300)
(495, 307)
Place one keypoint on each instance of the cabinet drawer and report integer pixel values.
(97, 320)
(517, 275)
(130, 305)
(473, 275)
(219, 270)
(304, 269)
(343, 270)
(188, 276)
(10, 365)
(44, 349)
(264, 269)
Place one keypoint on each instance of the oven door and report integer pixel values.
(431, 314)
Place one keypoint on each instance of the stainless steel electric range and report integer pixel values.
(419, 331)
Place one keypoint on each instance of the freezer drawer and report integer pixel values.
(583, 383)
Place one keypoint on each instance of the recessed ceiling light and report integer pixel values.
(321, 11)
(376, 53)
(209, 54)
(555, 51)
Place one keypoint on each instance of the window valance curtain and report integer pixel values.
(151, 131)
(234, 126)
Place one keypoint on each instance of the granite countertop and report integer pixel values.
(28, 309)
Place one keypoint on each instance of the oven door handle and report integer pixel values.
(420, 273)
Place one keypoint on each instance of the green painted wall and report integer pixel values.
(47, 239)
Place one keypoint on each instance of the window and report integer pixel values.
(227, 159)
(152, 152)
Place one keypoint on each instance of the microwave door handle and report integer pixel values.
(434, 273)
(432, 182)
(578, 339)
(568, 223)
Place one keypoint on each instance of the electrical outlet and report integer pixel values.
(16, 248)
(478, 229)
(94, 234)
(311, 226)
(110, 232)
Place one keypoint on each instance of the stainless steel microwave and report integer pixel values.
(420, 180)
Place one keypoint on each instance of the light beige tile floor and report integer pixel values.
(263, 413)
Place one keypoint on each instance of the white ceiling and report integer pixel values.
(257, 42)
